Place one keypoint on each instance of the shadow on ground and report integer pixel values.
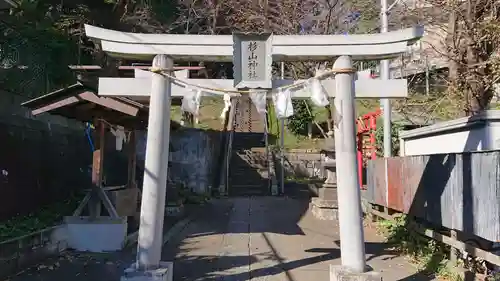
(77, 266)
(260, 238)
(264, 238)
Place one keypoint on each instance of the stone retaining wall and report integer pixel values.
(302, 164)
(192, 157)
(25, 251)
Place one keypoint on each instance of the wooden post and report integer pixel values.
(359, 155)
(132, 160)
(97, 167)
(373, 141)
(454, 252)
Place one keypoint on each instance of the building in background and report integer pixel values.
(425, 65)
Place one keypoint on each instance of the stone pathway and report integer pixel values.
(269, 238)
(261, 238)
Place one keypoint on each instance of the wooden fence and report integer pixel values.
(458, 191)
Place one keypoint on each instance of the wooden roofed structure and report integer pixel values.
(81, 102)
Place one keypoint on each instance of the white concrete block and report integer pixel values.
(103, 234)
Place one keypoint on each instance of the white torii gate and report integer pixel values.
(165, 48)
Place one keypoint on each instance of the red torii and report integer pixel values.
(366, 124)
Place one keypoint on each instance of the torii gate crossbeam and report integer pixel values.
(165, 48)
(139, 88)
(284, 48)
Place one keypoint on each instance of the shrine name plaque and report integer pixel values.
(252, 60)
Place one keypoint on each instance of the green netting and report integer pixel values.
(33, 62)
(22, 67)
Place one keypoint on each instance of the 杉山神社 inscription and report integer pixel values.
(252, 61)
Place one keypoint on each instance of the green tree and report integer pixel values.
(301, 118)
(379, 137)
(39, 39)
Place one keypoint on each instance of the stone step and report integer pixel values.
(243, 146)
(249, 155)
(249, 170)
(247, 119)
(240, 180)
(249, 173)
(243, 157)
(249, 194)
(249, 190)
(248, 163)
(246, 178)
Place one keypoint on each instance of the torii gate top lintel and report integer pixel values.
(284, 47)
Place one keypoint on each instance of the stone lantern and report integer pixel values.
(325, 205)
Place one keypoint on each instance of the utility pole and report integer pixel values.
(384, 75)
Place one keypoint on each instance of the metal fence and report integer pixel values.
(43, 164)
(457, 191)
(42, 160)
(22, 63)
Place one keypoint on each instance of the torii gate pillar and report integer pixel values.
(348, 192)
(154, 189)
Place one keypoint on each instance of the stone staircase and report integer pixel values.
(248, 166)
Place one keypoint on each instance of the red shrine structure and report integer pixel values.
(366, 143)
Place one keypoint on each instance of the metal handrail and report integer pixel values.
(226, 149)
(228, 157)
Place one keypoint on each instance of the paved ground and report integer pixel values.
(268, 238)
(262, 238)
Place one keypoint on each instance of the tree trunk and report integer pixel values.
(329, 122)
(452, 49)
(477, 93)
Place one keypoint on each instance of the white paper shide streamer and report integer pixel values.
(120, 136)
(191, 102)
(319, 97)
(227, 105)
(283, 103)
(259, 99)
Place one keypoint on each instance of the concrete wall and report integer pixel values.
(466, 134)
(192, 157)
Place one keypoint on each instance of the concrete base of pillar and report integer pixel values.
(340, 273)
(324, 209)
(164, 273)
